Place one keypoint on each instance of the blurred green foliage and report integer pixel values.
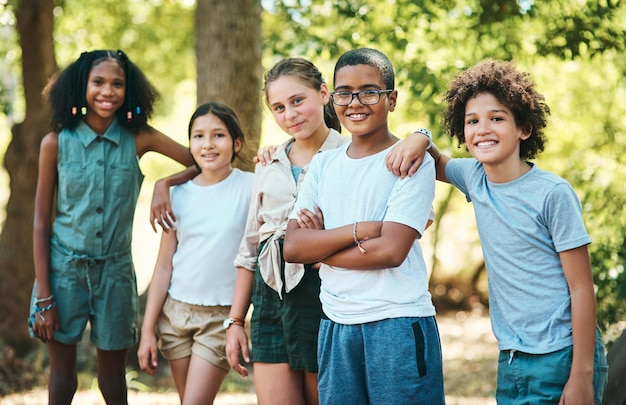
(575, 50)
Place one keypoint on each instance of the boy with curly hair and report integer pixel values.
(541, 292)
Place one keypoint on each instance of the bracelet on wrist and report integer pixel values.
(357, 242)
(40, 300)
(228, 322)
(428, 134)
(46, 308)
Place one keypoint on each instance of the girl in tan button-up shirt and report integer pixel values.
(285, 297)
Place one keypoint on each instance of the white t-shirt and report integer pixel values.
(210, 224)
(349, 190)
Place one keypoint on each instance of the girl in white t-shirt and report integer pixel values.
(193, 282)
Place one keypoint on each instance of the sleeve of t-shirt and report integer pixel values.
(459, 172)
(563, 213)
(410, 201)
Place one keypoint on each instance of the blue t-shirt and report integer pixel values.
(523, 225)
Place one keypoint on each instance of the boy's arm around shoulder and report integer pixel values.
(407, 155)
(441, 160)
(405, 158)
(577, 270)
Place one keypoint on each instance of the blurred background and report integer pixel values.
(196, 51)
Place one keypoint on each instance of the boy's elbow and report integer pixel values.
(394, 257)
(290, 255)
(396, 261)
(290, 251)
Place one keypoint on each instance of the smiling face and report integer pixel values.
(212, 147)
(297, 108)
(491, 133)
(106, 91)
(359, 119)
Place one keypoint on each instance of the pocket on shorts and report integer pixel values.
(420, 348)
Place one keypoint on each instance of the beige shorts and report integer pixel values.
(184, 329)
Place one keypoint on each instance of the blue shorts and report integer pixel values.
(392, 361)
(540, 378)
(101, 291)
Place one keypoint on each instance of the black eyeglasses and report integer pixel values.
(365, 97)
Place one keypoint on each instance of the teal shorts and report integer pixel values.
(102, 291)
(540, 378)
(285, 331)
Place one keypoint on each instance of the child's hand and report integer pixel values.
(237, 341)
(45, 324)
(147, 353)
(264, 155)
(406, 156)
(161, 207)
(578, 391)
(311, 220)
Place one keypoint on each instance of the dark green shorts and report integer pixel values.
(285, 331)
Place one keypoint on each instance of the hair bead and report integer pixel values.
(83, 110)
(74, 110)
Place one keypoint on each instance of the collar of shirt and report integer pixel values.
(87, 135)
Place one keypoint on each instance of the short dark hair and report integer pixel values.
(370, 57)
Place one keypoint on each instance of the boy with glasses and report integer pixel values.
(380, 343)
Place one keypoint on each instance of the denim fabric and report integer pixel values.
(540, 378)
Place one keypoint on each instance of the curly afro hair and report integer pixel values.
(512, 88)
(66, 92)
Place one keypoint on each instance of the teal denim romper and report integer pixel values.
(92, 275)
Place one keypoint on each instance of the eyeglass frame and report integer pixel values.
(358, 96)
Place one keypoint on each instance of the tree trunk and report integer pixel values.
(35, 26)
(228, 52)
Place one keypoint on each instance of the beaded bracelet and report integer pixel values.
(356, 240)
(46, 308)
(39, 311)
